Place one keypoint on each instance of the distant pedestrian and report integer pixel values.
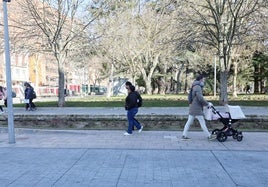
(131, 106)
(196, 108)
(247, 89)
(3, 96)
(29, 96)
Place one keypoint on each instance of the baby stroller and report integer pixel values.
(232, 115)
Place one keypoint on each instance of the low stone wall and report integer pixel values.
(150, 122)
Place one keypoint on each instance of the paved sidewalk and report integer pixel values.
(151, 158)
(93, 158)
(114, 139)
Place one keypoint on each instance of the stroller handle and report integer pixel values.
(213, 108)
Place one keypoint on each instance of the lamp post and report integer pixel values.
(11, 133)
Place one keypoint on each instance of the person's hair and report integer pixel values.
(128, 83)
(27, 84)
(199, 77)
(132, 88)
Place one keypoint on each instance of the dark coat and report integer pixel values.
(29, 93)
(131, 101)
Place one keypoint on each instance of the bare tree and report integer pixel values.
(140, 39)
(60, 28)
(221, 24)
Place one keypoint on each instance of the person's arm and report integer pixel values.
(199, 95)
(126, 103)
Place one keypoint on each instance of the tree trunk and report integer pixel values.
(178, 89)
(171, 88)
(262, 80)
(148, 86)
(61, 98)
(223, 87)
(256, 79)
(111, 82)
(162, 86)
(147, 74)
(186, 80)
(235, 79)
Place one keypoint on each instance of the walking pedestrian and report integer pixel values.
(196, 108)
(29, 96)
(3, 96)
(131, 105)
(127, 84)
(247, 89)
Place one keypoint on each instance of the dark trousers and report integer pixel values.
(30, 105)
(137, 122)
(131, 120)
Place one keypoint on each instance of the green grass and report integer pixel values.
(154, 101)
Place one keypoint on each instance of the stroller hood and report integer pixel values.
(235, 112)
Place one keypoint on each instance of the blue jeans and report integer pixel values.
(131, 120)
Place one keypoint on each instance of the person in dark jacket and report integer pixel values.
(29, 96)
(131, 106)
(127, 84)
(196, 108)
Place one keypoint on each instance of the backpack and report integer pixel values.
(14, 94)
(139, 99)
(34, 95)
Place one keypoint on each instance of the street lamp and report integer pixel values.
(11, 133)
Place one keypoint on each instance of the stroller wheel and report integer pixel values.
(215, 131)
(235, 135)
(221, 136)
(239, 137)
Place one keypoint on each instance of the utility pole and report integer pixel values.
(11, 133)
